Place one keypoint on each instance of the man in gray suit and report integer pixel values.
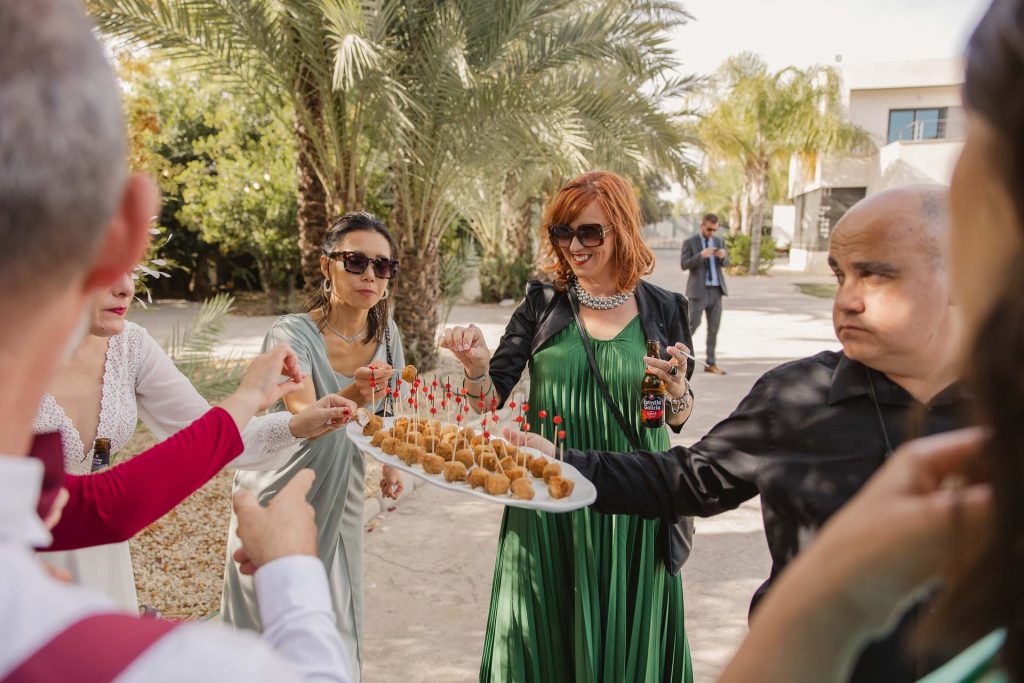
(704, 255)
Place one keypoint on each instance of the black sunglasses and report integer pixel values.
(356, 262)
(589, 234)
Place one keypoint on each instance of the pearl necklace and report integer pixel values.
(350, 340)
(600, 303)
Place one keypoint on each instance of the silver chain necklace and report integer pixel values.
(599, 303)
(350, 340)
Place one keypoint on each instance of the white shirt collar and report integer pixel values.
(21, 479)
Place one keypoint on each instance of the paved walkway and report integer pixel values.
(429, 560)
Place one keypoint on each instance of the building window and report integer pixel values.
(917, 124)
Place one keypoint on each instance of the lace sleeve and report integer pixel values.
(268, 443)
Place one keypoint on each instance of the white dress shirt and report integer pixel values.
(299, 641)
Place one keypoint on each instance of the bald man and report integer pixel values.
(811, 432)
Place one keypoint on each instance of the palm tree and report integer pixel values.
(328, 61)
(429, 96)
(759, 119)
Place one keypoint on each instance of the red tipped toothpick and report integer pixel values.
(561, 436)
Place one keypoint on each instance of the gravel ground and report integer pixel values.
(179, 559)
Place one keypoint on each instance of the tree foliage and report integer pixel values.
(239, 192)
(463, 110)
(757, 120)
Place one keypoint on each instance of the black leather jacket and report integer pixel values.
(545, 312)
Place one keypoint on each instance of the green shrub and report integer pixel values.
(739, 253)
(503, 277)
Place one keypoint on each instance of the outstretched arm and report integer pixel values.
(117, 503)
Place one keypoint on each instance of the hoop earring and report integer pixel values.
(386, 293)
(327, 286)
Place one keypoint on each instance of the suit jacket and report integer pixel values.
(692, 261)
(545, 312)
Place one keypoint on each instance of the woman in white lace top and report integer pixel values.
(119, 374)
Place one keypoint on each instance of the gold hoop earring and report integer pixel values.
(386, 293)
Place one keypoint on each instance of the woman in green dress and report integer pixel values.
(947, 510)
(346, 343)
(585, 596)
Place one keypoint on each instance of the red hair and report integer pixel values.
(632, 257)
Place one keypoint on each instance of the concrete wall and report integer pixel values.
(905, 163)
(869, 109)
(783, 224)
(921, 73)
(830, 170)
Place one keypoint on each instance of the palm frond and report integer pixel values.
(192, 347)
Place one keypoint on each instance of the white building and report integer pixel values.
(912, 110)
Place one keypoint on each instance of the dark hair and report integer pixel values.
(709, 218)
(985, 591)
(359, 221)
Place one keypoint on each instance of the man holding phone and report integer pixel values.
(705, 256)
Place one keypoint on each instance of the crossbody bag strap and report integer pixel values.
(626, 428)
(389, 405)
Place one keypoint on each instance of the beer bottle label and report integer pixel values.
(100, 461)
(652, 406)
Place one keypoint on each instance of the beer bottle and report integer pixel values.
(100, 454)
(652, 393)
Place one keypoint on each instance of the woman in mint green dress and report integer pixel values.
(584, 596)
(947, 510)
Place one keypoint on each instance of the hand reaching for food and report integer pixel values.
(529, 439)
(469, 348)
(391, 485)
(371, 381)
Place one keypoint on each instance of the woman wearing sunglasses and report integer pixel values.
(585, 596)
(347, 344)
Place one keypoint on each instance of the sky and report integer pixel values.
(805, 32)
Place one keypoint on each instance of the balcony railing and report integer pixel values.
(943, 128)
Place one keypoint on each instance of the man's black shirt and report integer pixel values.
(806, 438)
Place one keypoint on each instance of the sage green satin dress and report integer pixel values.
(337, 494)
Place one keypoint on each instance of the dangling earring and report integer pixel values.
(327, 287)
(386, 293)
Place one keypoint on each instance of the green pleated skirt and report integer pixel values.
(584, 596)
